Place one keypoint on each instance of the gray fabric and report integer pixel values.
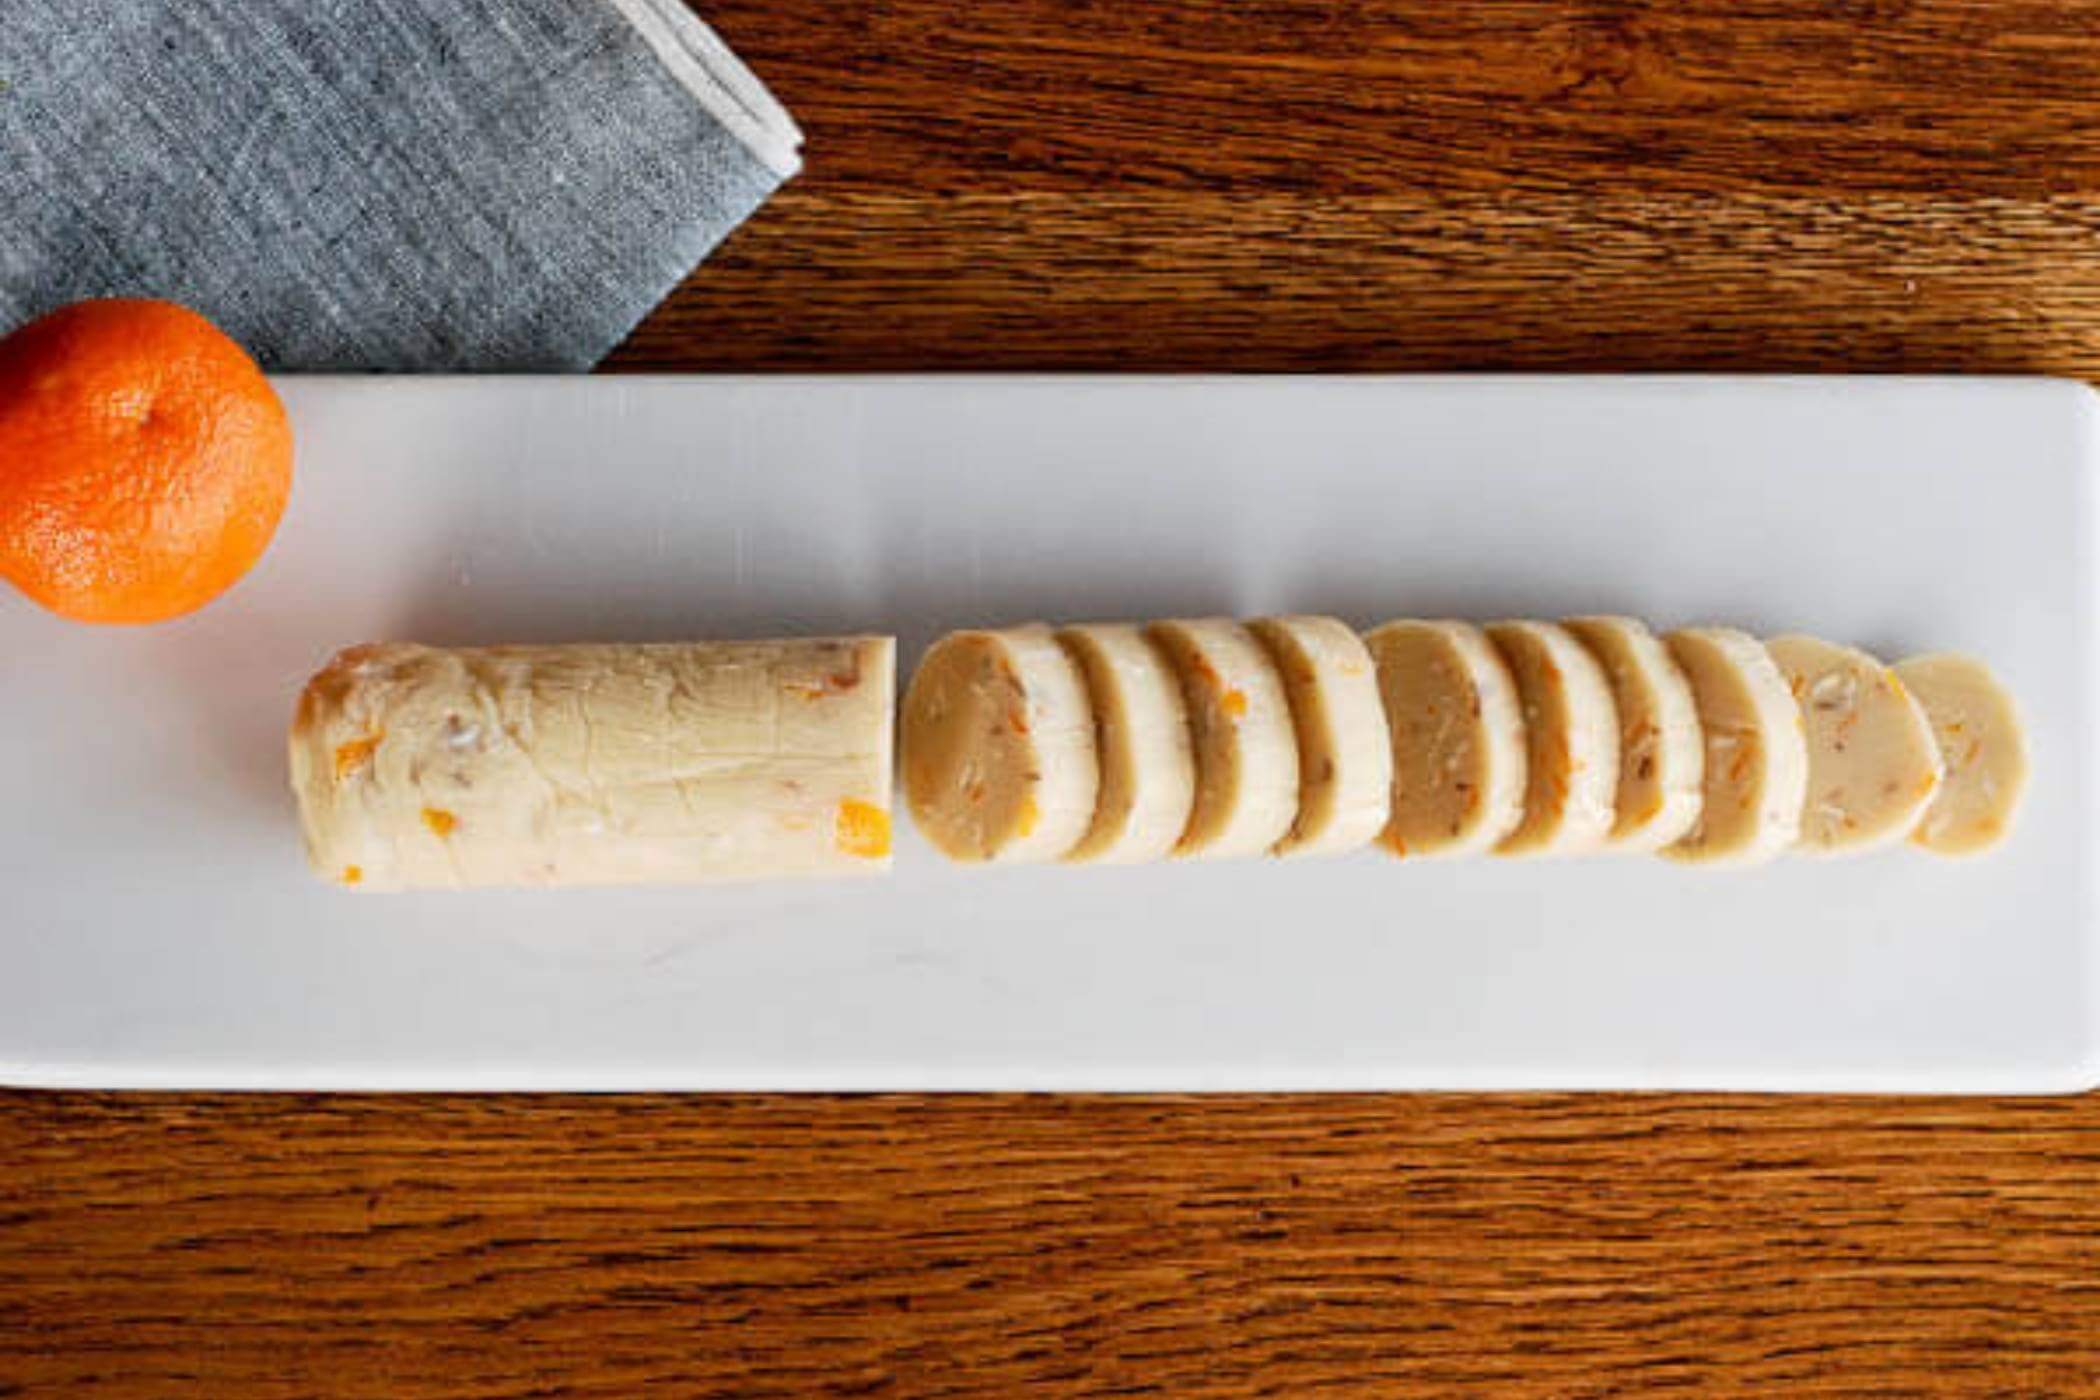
(360, 184)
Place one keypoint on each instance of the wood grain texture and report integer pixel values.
(1250, 184)
(1302, 184)
(1560, 1246)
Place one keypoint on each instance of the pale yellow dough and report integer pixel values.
(1984, 746)
(1458, 738)
(1873, 765)
(418, 766)
(997, 754)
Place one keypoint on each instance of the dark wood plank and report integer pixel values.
(1295, 184)
(1831, 100)
(1561, 1246)
(1271, 184)
(1201, 280)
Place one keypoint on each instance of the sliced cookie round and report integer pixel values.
(1756, 751)
(1345, 756)
(1571, 730)
(1141, 732)
(1662, 754)
(1458, 738)
(996, 747)
(1983, 744)
(1240, 726)
(1873, 765)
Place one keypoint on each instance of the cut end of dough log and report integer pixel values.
(998, 759)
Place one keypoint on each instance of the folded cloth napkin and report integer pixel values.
(377, 184)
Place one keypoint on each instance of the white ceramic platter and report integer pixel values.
(158, 927)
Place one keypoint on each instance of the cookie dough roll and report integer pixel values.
(998, 759)
(419, 766)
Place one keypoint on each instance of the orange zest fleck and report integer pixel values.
(354, 756)
(353, 874)
(1030, 815)
(1234, 704)
(837, 683)
(440, 821)
(862, 829)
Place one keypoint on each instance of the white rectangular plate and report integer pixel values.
(160, 928)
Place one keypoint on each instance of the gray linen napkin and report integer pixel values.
(377, 184)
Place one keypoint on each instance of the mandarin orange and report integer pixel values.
(144, 461)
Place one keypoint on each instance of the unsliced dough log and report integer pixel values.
(1458, 738)
(1984, 745)
(416, 766)
(998, 758)
(1345, 755)
(1873, 766)
(1240, 723)
(1756, 752)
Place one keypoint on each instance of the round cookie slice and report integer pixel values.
(1983, 744)
(1345, 756)
(996, 747)
(1458, 738)
(1662, 754)
(1571, 730)
(1756, 751)
(1141, 732)
(1873, 765)
(1240, 726)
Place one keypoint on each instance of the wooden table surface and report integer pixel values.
(1260, 185)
